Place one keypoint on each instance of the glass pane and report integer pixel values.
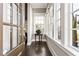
(75, 36)
(14, 14)
(53, 30)
(40, 26)
(6, 38)
(39, 19)
(7, 13)
(20, 5)
(75, 6)
(58, 14)
(18, 17)
(14, 44)
(38, 22)
(19, 35)
(75, 21)
(76, 13)
(58, 6)
(59, 31)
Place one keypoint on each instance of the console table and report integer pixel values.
(40, 37)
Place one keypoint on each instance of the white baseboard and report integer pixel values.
(59, 46)
(29, 43)
(20, 53)
(38, 40)
(14, 49)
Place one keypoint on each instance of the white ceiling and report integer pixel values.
(39, 5)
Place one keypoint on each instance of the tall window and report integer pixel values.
(19, 23)
(14, 14)
(7, 7)
(51, 21)
(52, 16)
(6, 39)
(11, 25)
(14, 28)
(14, 44)
(58, 20)
(75, 25)
(7, 27)
(39, 22)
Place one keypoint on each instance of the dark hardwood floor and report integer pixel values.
(36, 49)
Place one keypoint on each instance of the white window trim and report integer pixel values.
(70, 47)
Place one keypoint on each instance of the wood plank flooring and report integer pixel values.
(36, 49)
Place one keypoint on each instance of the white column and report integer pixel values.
(23, 21)
(29, 21)
(62, 23)
(67, 24)
(55, 25)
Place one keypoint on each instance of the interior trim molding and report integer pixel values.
(58, 46)
(16, 48)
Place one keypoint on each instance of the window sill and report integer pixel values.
(73, 50)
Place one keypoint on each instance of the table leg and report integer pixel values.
(35, 39)
(41, 38)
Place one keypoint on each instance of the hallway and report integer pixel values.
(38, 49)
(57, 25)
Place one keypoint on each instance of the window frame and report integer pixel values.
(71, 29)
(13, 25)
(58, 21)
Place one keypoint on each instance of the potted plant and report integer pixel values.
(38, 31)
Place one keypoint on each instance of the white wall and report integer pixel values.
(67, 25)
(29, 21)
